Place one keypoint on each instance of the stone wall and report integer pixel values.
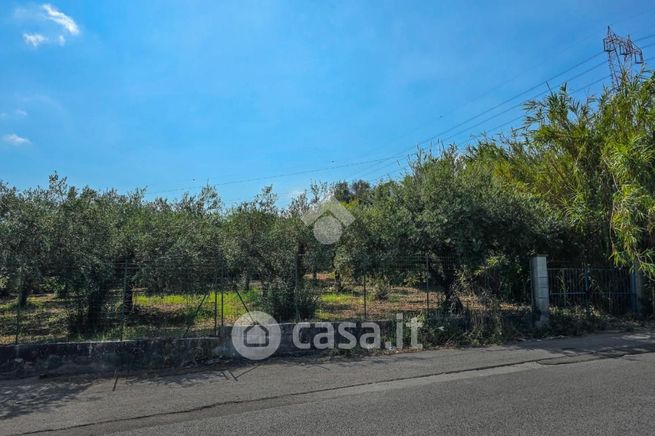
(103, 357)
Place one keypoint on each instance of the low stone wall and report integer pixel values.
(97, 357)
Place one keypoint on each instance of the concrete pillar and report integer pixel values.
(540, 291)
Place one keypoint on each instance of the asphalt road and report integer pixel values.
(601, 384)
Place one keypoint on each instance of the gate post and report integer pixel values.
(636, 289)
(540, 291)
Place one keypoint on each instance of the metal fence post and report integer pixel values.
(222, 305)
(297, 286)
(215, 307)
(540, 291)
(427, 285)
(365, 297)
(636, 289)
(124, 299)
(17, 318)
(587, 294)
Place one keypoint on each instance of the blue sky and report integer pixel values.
(169, 94)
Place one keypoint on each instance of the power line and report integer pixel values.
(520, 104)
(434, 137)
(395, 156)
(387, 175)
(506, 110)
(645, 37)
(379, 161)
(532, 88)
(513, 120)
(564, 72)
(389, 157)
(256, 179)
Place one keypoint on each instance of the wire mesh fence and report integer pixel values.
(169, 297)
(607, 289)
(173, 298)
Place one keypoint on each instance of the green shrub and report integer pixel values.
(4, 289)
(576, 321)
(285, 303)
(55, 286)
(382, 290)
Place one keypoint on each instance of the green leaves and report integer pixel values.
(576, 182)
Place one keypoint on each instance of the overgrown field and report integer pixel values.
(481, 321)
(575, 183)
(46, 318)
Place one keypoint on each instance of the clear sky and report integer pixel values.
(173, 94)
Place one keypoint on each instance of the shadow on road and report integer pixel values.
(598, 343)
(20, 398)
(24, 397)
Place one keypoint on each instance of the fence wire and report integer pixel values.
(169, 297)
(607, 289)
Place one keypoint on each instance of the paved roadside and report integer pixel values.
(88, 405)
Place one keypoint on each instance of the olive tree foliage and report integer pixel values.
(380, 237)
(450, 213)
(78, 243)
(83, 243)
(312, 255)
(250, 234)
(25, 223)
(273, 245)
(467, 217)
(576, 182)
(177, 246)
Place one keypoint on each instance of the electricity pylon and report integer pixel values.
(622, 54)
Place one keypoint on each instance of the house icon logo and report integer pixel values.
(329, 218)
(256, 335)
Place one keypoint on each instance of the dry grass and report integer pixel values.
(42, 320)
(45, 317)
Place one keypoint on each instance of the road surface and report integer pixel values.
(600, 384)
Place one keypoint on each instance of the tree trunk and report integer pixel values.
(24, 294)
(452, 303)
(247, 282)
(128, 300)
(300, 269)
(128, 293)
(25, 291)
(445, 277)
